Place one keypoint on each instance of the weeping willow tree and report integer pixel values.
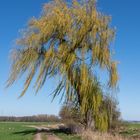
(68, 40)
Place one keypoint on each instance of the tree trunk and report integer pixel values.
(89, 121)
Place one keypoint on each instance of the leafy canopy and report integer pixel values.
(69, 40)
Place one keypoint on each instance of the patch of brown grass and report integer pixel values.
(89, 135)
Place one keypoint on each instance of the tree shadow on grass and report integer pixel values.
(47, 131)
(26, 132)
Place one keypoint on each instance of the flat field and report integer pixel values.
(131, 130)
(29, 131)
(15, 131)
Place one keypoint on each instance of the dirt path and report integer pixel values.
(37, 136)
(41, 130)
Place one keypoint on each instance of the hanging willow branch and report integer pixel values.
(59, 43)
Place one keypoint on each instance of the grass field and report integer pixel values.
(131, 130)
(22, 131)
(15, 131)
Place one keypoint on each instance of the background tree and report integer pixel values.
(70, 113)
(69, 40)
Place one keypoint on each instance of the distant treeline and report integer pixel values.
(35, 118)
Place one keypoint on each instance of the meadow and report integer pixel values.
(131, 130)
(15, 131)
(22, 131)
(26, 131)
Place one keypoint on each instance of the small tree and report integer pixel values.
(69, 40)
(69, 112)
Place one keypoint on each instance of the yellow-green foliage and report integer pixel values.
(101, 121)
(69, 40)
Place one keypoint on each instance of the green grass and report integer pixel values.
(21, 131)
(133, 125)
(15, 131)
(131, 130)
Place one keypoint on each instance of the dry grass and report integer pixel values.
(89, 135)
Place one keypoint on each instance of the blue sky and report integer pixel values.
(125, 17)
